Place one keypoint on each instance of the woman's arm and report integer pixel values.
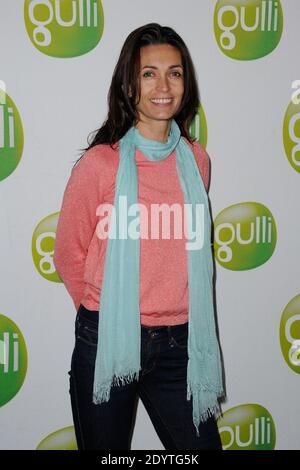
(77, 223)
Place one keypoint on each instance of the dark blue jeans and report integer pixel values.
(161, 387)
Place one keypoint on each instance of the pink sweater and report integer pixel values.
(79, 253)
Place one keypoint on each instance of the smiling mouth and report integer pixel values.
(161, 100)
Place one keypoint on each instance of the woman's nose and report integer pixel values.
(163, 83)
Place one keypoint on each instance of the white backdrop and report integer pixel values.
(60, 100)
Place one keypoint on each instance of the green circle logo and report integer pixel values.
(11, 136)
(63, 439)
(43, 241)
(65, 28)
(13, 359)
(290, 334)
(291, 135)
(244, 236)
(198, 127)
(248, 29)
(247, 427)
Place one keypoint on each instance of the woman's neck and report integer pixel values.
(156, 131)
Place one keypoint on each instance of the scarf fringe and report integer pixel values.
(205, 402)
(102, 393)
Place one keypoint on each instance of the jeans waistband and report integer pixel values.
(93, 316)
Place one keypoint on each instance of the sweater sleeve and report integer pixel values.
(76, 224)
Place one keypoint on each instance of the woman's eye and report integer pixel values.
(147, 74)
(176, 73)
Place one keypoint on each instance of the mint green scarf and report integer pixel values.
(119, 331)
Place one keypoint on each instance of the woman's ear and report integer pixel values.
(129, 92)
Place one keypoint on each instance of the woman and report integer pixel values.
(145, 321)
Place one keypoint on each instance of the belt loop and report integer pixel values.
(169, 334)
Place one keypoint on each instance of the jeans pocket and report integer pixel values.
(87, 333)
(180, 341)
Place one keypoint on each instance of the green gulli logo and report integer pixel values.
(198, 128)
(13, 359)
(247, 427)
(244, 236)
(11, 136)
(290, 334)
(64, 28)
(248, 29)
(291, 134)
(43, 241)
(63, 439)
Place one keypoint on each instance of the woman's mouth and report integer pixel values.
(161, 101)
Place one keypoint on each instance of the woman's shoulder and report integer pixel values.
(101, 156)
(102, 151)
(199, 151)
(202, 160)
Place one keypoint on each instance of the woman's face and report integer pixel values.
(161, 83)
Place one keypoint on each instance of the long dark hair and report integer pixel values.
(122, 113)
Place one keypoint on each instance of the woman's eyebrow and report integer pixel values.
(154, 67)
